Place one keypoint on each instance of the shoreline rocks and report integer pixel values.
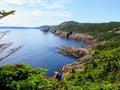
(82, 54)
(74, 52)
(77, 65)
(76, 36)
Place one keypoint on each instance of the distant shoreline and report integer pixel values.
(18, 27)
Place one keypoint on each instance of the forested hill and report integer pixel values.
(100, 31)
(102, 72)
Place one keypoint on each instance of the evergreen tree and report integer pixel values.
(4, 46)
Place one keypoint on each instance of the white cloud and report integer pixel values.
(62, 14)
(41, 13)
(47, 4)
(55, 4)
(30, 12)
(18, 2)
(51, 13)
(35, 2)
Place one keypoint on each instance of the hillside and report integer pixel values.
(100, 31)
(103, 71)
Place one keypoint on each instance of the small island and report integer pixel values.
(45, 28)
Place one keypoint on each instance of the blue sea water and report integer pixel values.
(38, 49)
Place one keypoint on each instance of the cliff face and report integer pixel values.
(77, 65)
(84, 37)
(82, 55)
(77, 36)
(74, 52)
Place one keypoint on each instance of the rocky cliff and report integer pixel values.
(77, 36)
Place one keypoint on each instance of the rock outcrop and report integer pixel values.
(74, 52)
(77, 36)
(45, 28)
(77, 65)
(81, 54)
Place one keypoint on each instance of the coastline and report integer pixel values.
(89, 40)
(82, 54)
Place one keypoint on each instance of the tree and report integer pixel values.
(4, 46)
(24, 77)
(3, 13)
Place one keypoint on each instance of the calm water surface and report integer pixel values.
(39, 49)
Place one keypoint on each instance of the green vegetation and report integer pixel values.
(24, 77)
(100, 31)
(3, 13)
(103, 72)
(4, 46)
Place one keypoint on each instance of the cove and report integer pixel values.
(38, 49)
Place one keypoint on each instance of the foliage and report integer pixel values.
(100, 31)
(24, 77)
(109, 45)
(4, 46)
(3, 13)
(101, 73)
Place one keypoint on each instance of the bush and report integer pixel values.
(24, 77)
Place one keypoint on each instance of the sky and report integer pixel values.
(53, 12)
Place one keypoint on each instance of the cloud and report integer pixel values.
(54, 5)
(47, 4)
(41, 13)
(31, 12)
(35, 2)
(17, 2)
(51, 13)
(62, 14)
